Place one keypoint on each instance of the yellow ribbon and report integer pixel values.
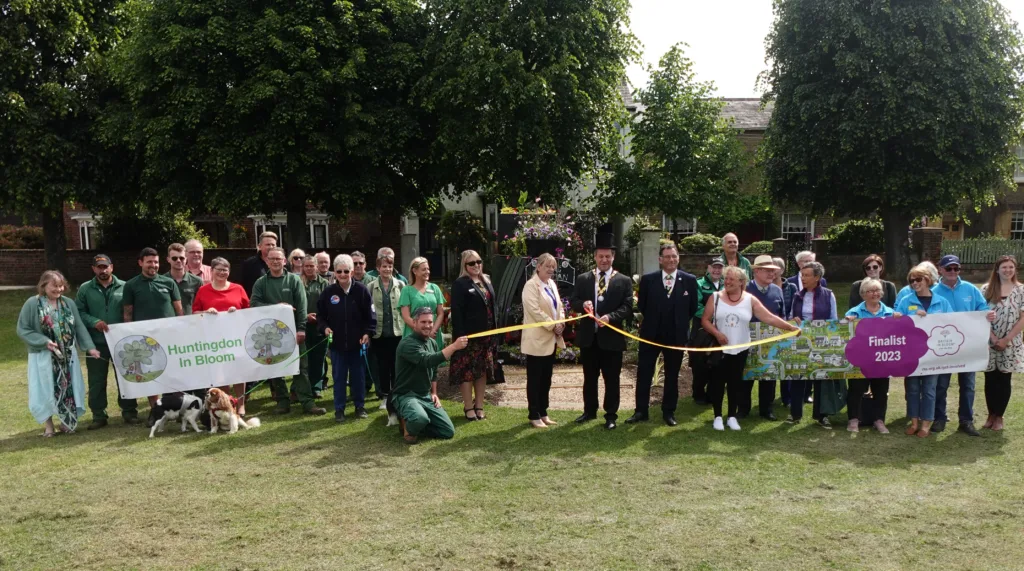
(510, 328)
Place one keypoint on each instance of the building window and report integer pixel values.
(87, 233)
(679, 226)
(797, 227)
(1018, 169)
(1017, 226)
(491, 217)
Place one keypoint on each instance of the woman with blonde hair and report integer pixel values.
(421, 293)
(472, 312)
(1005, 295)
(53, 330)
(541, 303)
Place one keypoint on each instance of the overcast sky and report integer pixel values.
(725, 37)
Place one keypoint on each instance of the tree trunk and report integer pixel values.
(896, 228)
(54, 240)
(297, 227)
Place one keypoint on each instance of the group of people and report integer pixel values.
(382, 325)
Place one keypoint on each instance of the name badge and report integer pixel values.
(335, 300)
(912, 308)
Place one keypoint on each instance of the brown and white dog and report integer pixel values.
(224, 414)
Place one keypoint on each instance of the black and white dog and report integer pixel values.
(183, 407)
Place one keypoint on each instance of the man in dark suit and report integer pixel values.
(667, 300)
(609, 296)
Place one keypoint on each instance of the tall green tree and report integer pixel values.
(684, 159)
(52, 82)
(258, 107)
(525, 93)
(892, 106)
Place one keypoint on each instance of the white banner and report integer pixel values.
(203, 350)
(957, 342)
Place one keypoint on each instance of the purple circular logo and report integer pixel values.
(887, 347)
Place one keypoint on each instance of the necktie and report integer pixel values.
(668, 285)
(601, 285)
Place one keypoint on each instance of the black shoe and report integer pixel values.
(97, 423)
(637, 417)
(133, 420)
(584, 418)
(282, 408)
(361, 413)
(743, 415)
(938, 426)
(825, 423)
(610, 424)
(150, 422)
(965, 427)
(671, 420)
(315, 411)
(700, 402)
(770, 416)
(339, 416)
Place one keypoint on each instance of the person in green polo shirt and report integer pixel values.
(415, 391)
(150, 295)
(99, 304)
(279, 286)
(187, 282)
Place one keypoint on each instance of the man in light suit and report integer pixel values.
(667, 300)
(609, 296)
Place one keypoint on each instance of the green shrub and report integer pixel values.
(156, 231)
(699, 244)
(759, 247)
(856, 237)
(20, 237)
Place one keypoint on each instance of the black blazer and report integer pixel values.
(617, 305)
(653, 303)
(469, 308)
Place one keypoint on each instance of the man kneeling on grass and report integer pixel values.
(415, 392)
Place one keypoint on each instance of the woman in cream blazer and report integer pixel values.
(541, 303)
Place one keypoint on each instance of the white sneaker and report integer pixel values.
(717, 425)
(733, 423)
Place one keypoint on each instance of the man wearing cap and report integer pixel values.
(667, 300)
(187, 282)
(194, 264)
(770, 295)
(99, 303)
(963, 296)
(706, 287)
(608, 296)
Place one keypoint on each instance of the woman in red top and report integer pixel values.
(222, 295)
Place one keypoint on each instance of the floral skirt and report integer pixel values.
(473, 362)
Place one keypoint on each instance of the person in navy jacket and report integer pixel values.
(667, 300)
(771, 297)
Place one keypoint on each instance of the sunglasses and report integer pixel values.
(915, 280)
(342, 271)
(358, 263)
(296, 257)
(177, 258)
(954, 269)
(475, 263)
(873, 267)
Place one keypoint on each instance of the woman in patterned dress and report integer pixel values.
(472, 312)
(51, 327)
(1005, 295)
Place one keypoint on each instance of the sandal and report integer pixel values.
(47, 434)
(480, 414)
(466, 412)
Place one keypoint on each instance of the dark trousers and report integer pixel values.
(798, 388)
(700, 373)
(383, 353)
(879, 394)
(648, 357)
(728, 376)
(349, 369)
(97, 370)
(607, 364)
(315, 361)
(538, 384)
(765, 397)
(997, 392)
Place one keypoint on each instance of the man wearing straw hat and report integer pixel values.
(770, 295)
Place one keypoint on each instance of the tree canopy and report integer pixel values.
(684, 158)
(899, 108)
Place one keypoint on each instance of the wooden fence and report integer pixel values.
(983, 251)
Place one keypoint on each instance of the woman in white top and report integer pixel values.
(729, 321)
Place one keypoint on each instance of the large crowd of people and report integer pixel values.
(382, 331)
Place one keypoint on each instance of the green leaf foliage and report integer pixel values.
(143, 228)
(894, 107)
(684, 157)
(759, 247)
(856, 237)
(699, 243)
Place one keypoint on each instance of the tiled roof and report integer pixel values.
(747, 114)
(626, 92)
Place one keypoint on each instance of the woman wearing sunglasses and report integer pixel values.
(921, 390)
(873, 267)
(472, 312)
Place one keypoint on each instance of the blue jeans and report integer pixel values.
(921, 396)
(966, 410)
(348, 365)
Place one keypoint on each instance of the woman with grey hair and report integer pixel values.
(813, 302)
(872, 291)
(54, 331)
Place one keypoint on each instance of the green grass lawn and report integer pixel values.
(303, 492)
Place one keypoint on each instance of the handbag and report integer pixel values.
(703, 339)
